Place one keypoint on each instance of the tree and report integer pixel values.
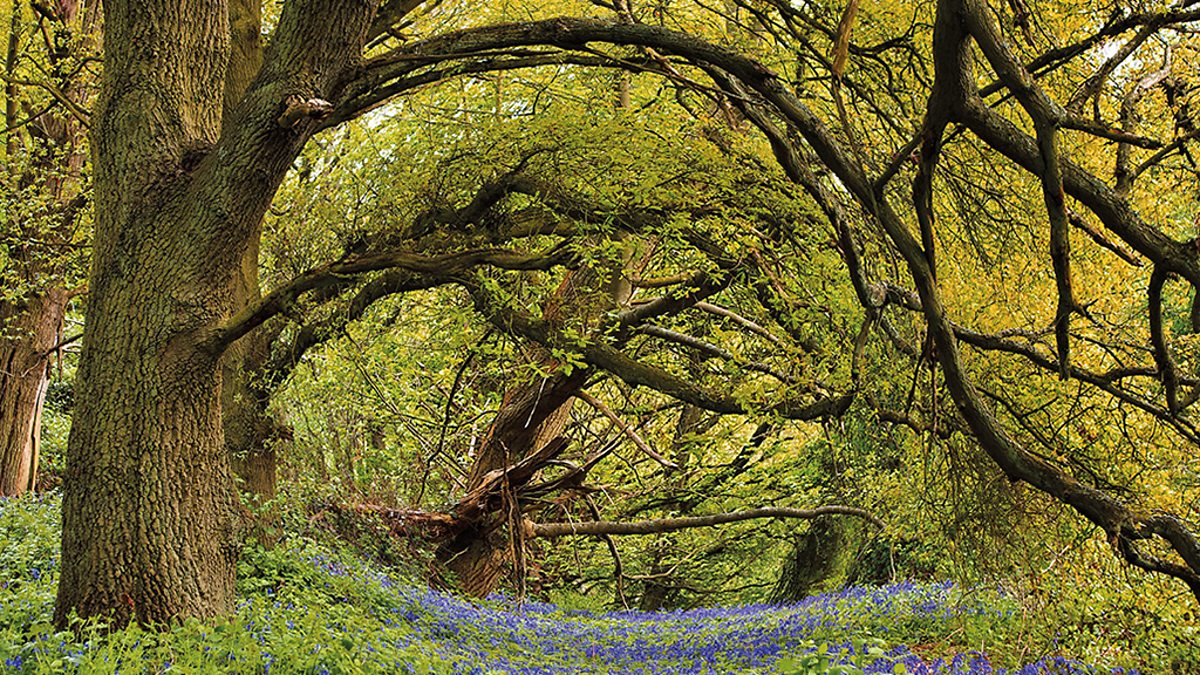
(183, 179)
(48, 84)
(148, 513)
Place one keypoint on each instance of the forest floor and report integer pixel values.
(307, 609)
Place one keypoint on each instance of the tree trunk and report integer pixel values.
(656, 590)
(818, 557)
(532, 415)
(249, 428)
(180, 193)
(46, 153)
(148, 513)
(250, 436)
(29, 333)
(148, 510)
(477, 558)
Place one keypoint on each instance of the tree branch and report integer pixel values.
(738, 319)
(279, 300)
(1162, 354)
(627, 430)
(1046, 116)
(672, 524)
(636, 373)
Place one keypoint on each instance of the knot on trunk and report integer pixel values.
(298, 109)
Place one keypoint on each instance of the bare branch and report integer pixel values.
(673, 524)
(738, 319)
(629, 431)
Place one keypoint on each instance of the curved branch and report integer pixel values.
(312, 333)
(1162, 354)
(279, 300)
(600, 355)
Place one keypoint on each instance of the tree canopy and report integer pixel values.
(915, 263)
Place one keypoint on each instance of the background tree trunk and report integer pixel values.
(248, 426)
(818, 557)
(532, 415)
(51, 146)
(29, 332)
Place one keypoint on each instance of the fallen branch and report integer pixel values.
(431, 525)
(673, 524)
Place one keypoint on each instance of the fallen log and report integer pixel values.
(601, 528)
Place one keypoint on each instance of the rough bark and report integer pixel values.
(532, 415)
(29, 332)
(148, 512)
(247, 425)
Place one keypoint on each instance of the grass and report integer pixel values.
(308, 609)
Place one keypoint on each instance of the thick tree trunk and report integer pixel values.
(29, 333)
(148, 511)
(148, 517)
(148, 514)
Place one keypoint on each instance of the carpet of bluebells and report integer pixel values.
(306, 609)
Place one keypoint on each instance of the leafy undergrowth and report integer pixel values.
(306, 609)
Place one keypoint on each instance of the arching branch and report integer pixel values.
(444, 266)
(599, 354)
